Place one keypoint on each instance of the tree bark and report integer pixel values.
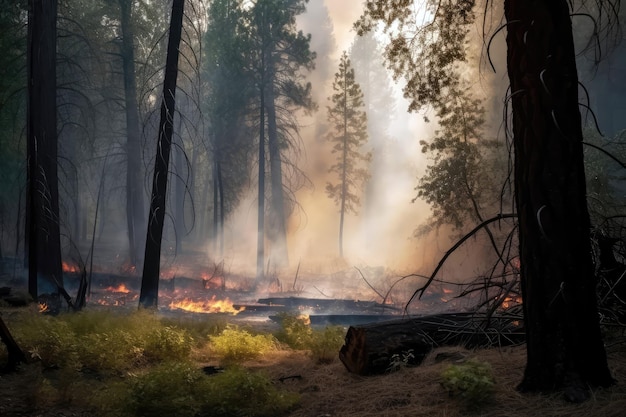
(42, 213)
(564, 343)
(260, 244)
(16, 354)
(277, 213)
(370, 348)
(135, 217)
(148, 297)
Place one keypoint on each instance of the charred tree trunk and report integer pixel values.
(564, 343)
(15, 353)
(42, 212)
(135, 217)
(370, 348)
(148, 297)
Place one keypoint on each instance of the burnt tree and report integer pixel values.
(564, 343)
(148, 297)
(43, 243)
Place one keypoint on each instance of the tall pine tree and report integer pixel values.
(348, 134)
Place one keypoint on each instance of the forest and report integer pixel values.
(209, 206)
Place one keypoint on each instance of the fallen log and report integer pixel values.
(373, 348)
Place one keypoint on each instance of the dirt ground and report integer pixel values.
(330, 390)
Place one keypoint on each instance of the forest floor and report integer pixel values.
(330, 390)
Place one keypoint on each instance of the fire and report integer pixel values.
(43, 307)
(510, 301)
(209, 306)
(69, 267)
(120, 288)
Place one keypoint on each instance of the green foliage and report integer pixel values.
(239, 392)
(235, 345)
(169, 389)
(349, 133)
(399, 361)
(296, 332)
(471, 381)
(180, 389)
(101, 341)
(48, 339)
(325, 344)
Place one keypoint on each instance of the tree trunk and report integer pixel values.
(15, 354)
(42, 213)
(564, 343)
(260, 243)
(148, 297)
(134, 191)
(277, 213)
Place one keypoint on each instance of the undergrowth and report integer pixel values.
(296, 332)
(139, 364)
(472, 382)
(237, 345)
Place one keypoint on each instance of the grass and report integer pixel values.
(159, 372)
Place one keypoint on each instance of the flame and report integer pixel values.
(209, 306)
(510, 301)
(43, 307)
(69, 268)
(120, 288)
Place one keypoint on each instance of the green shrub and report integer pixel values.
(295, 331)
(234, 345)
(46, 338)
(170, 389)
(239, 392)
(167, 343)
(325, 344)
(471, 381)
(179, 389)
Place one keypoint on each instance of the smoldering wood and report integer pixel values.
(369, 349)
(329, 304)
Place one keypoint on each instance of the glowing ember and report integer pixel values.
(210, 306)
(511, 301)
(120, 288)
(69, 268)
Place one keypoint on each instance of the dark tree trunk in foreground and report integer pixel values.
(42, 211)
(564, 343)
(148, 297)
(15, 353)
(134, 190)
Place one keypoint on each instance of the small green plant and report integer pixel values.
(235, 345)
(295, 330)
(471, 381)
(325, 344)
(399, 361)
(240, 392)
